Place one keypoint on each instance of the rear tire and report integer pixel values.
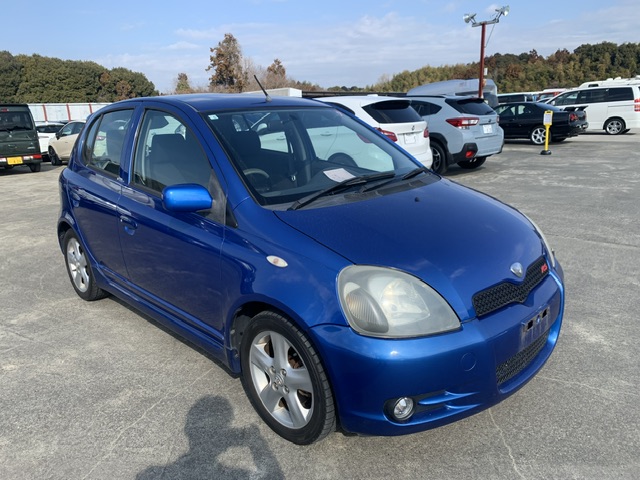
(538, 135)
(285, 381)
(471, 164)
(35, 167)
(439, 154)
(79, 269)
(615, 126)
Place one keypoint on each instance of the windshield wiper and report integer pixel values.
(344, 184)
(413, 173)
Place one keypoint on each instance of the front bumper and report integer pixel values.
(449, 376)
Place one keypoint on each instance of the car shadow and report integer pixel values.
(213, 448)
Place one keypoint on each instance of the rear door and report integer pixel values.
(620, 102)
(95, 186)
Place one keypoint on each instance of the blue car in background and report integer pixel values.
(349, 286)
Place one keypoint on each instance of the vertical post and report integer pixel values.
(481, 76)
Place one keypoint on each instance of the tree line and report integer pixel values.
(36, 79)
(531, 71)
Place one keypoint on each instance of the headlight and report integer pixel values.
(550, 252)
(383, 302)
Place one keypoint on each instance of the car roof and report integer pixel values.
(542, 105)
(444, 97)
(360, 100)
(202, 102)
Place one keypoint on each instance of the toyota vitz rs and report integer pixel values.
(346, 284)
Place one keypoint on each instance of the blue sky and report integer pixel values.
(329, 43)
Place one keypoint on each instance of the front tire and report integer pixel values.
(615, 126)
(79, 269)
(53, 156)
(538, 135)
(285, 380)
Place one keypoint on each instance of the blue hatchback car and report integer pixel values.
(348, 286)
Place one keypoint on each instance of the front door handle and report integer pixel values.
(129, 224)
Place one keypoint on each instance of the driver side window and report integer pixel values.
(168, 154)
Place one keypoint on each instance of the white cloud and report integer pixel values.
(183, 46)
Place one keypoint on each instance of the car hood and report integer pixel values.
(455, 239)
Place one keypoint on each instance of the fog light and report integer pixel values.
(403, 408)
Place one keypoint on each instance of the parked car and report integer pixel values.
(614, 109)
(18, 138)
(61, 144)
(382, 298)
(46, 131)
(526, 120)
(463, 130)
(393, 117)
(517, 97)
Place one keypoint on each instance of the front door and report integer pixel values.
(173, 259)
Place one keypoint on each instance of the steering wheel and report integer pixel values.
(255, 171)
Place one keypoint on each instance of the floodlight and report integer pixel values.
(469, 17)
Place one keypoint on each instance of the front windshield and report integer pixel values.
(286, 154)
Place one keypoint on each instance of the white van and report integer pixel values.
(612, 82)
(615, 109)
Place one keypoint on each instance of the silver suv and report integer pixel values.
(462, 130)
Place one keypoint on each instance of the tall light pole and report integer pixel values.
(471, 17)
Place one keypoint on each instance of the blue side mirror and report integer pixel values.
(188, 197)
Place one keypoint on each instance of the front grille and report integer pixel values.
(498, 296)
(513, 366)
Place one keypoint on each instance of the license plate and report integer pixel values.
(410, 138)
(534, 327)
(14, 160)
(487, 128)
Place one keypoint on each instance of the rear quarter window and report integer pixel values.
(392, 112)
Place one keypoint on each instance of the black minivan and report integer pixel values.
(18, 138)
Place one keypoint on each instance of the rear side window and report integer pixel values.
(425, 108)
(392, 112)
(592, 96)
(620, 94)
(105, 141)
(472, 106)
(566, 99)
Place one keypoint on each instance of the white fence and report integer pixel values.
(63, 112)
